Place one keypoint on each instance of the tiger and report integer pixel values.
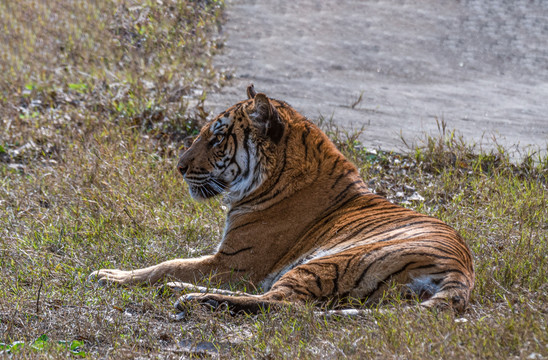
(302, 224)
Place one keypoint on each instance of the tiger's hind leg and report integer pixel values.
(213, 298)
(445, 288)
(452, 291)
(249, 304)
(297, 286)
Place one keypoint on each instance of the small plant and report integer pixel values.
(43, 344)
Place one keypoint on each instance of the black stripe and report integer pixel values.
(318, 147)
(453, 287)
(454, 282)
(425, 267)
(247, 131)
(341, 176)
(343, 192)
(335, 206)
(443, 241)
(369, 254)
(352, 259)
(304, 136)
(335, 163)
(445, 272)
(240, 226)
(235, 252)
(383, 281)
(316, 277)
(318, 262)
(442, 257)
(441, 245)
(226, 167)
(304, 291)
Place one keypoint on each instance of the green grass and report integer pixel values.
(96, 99)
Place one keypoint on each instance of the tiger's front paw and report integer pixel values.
(111, 276)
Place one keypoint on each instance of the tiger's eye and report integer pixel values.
(217, 139)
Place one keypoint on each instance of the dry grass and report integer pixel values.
(95, 100)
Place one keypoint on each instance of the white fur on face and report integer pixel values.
(241, 175)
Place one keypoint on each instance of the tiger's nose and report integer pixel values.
(182, 165)
(182, 168)
(184, 162)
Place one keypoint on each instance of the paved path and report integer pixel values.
(481, 66)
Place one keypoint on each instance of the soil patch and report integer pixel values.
(481, 67)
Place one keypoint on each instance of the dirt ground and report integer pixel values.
(481, 66)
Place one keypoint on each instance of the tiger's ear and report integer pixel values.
(266, 118)
(251, 91)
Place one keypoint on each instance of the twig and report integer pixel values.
(357, 101)
(38, 298)
(133, 219)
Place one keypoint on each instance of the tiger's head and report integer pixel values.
(233, 151)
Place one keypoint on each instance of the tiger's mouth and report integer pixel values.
(202, 190)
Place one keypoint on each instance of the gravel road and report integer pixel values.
(481, 66)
